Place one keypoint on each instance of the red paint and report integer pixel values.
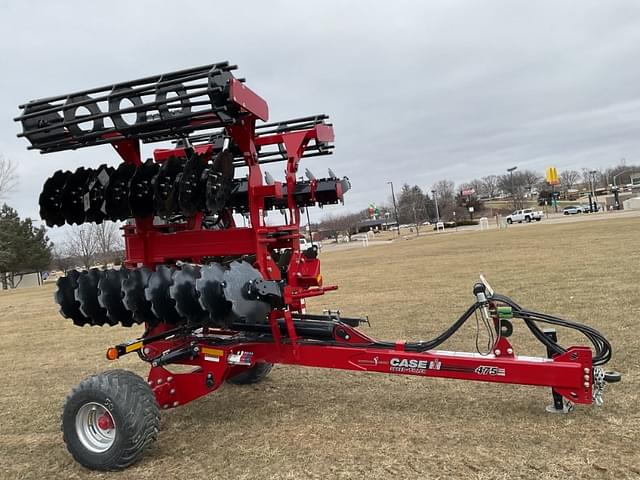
(350, 349)
(564, 373)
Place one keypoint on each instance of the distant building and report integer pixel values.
(374, 224)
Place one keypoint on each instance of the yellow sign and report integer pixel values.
(552, 176)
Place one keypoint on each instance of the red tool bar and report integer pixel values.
(162, 154)
(319, 132)
(248, 100)
(156, 247)
(568, 374)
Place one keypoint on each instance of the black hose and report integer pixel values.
(431, 344)
(602, 347)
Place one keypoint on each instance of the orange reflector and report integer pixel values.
(319, 280)
(112, 353)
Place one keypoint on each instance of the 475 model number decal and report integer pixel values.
(492, 371)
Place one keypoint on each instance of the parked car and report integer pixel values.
(587, 208)
(526, 215)
(573, 209)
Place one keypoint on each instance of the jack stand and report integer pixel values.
(559, 405)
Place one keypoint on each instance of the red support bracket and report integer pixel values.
(129, 150)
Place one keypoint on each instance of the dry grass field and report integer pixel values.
(323, 424)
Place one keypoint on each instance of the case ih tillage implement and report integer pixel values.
(224, 299)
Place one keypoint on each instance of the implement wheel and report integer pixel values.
(109, 419)
(255, 374)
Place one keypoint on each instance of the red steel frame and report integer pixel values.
(568, 374)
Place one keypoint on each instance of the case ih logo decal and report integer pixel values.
(492, 371)
(406, 365)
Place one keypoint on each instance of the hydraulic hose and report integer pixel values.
(601, 346)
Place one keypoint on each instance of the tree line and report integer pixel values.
(26, 248)
(415, 206)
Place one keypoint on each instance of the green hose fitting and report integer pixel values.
(504, 313)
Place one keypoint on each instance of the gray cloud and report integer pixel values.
(417, 91)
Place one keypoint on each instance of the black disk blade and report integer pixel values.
(95, 204)
(65, 297)
(87, 295)
(211, 293)
(219, 182)
(134, 299)
(157, 292)
(183, 291)
(191, 196)
(141, 189)
(73, 195)
(110, 297)
(117, 192)
(236, 281)
(165, 189)
(50, 200)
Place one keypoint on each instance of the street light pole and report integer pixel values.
(616, 176)
(395, 207)
(513, 191)
(435, 199)
(616, 191)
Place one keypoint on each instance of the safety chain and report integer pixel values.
(598, 386)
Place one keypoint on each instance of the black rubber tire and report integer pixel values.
(252, 375)
(135, 413)
(509, 221)
(527, 219)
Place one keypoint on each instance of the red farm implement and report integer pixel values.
(224, 300)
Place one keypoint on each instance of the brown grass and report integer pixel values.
(312, 423)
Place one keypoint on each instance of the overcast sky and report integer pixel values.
(417, 91)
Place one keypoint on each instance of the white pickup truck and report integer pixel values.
(526, 215)
(305, 244)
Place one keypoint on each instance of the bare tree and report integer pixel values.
(621, 173)
(108, 240)
(8, 177)
(81, 242)
(341, 224)
(515, 186)
(490, 185)
(530, 179)
(596, 179)
(446, 197)
(61, 261)
(569, 178)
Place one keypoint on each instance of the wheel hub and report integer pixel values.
(105, 422)
(95, 427)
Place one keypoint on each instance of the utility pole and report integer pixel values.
(592, 174)
(435, 199)
(513, 191)
(395, 207)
